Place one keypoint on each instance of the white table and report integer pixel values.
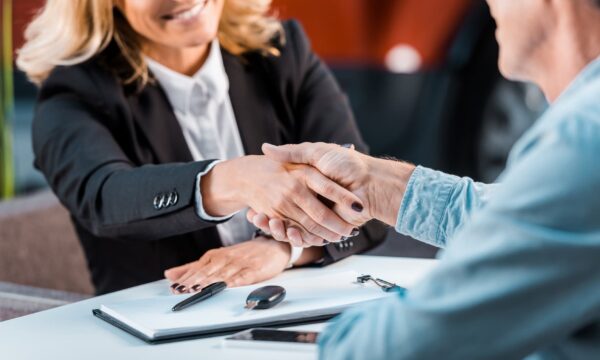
(72, 332)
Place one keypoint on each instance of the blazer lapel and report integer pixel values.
(156, 119)
(249, 95)
(250, 98)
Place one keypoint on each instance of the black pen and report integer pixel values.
(207, 292)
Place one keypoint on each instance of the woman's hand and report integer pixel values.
(245, 263)
(280, 231)
(379, 182)
(280, 190)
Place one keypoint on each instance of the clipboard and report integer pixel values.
(310, 300)
(193, 335)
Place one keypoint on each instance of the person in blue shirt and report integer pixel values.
(519, 276)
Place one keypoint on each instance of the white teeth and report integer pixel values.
(191, 13)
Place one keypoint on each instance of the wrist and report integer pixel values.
(386, 187)
(286, 248)
(310, 255)
(220, 194)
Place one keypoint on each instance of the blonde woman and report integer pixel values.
(149, 119)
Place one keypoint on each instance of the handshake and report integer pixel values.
(309, 194)
(306, 195)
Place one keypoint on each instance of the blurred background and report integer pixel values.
(422, 79)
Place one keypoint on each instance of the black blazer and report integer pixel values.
(109, 151)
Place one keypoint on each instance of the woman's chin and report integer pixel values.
(197, 42)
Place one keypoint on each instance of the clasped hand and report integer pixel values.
(283, 190)
(345, 166)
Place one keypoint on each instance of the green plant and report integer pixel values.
(7, 183)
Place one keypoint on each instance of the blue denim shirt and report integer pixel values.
(520, 273)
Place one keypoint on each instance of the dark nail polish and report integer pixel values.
(195, 287)
(173, 286)
(357, 207)
(354, 232)
(343, 238)
(180, 288)
(347, 146)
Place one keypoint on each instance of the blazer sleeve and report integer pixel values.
(91, 175)
(322, 113)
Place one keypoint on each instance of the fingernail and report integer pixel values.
(354, 232)
(325, 242)
(343, 238)
(347, 146)
(195, 287)
(180, 288)
(357, 207)
(174, 285)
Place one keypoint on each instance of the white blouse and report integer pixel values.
(203, 109)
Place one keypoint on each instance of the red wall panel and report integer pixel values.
(349, 31)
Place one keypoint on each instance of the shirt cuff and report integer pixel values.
(199, 205)
(295, 255)
(424, 205)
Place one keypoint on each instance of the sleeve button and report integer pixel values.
(158, 202)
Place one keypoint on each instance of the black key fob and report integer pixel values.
(265, 297)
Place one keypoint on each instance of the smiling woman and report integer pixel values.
(243, 27)
(148, 126)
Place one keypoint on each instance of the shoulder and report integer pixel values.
(89, 82)
(295, 36)
(578, 119)
(295, 53)
(572, 122)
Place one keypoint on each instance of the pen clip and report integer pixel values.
(384, 285)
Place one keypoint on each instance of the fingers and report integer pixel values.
(300, 238)
(250, 214)
(201, 280)
(309, 209)
(323, 221)
(262, 222)
(331, 190)
(286, 233)
(277, 229)
(207, 265)
(305, 153)
(295, 237)
(178, 286)
(244, 277)
(175, 273)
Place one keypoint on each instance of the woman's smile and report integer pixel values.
(188, 15)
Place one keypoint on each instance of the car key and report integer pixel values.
(265, 297)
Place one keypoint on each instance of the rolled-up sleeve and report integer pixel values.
(435, 205)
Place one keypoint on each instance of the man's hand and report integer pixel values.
(241, 264)
(279, 190)
(379, 183)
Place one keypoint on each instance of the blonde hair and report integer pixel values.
(69, 32)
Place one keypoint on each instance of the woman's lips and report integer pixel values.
(187, 14)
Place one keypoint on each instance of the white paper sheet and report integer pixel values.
(319, 295)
